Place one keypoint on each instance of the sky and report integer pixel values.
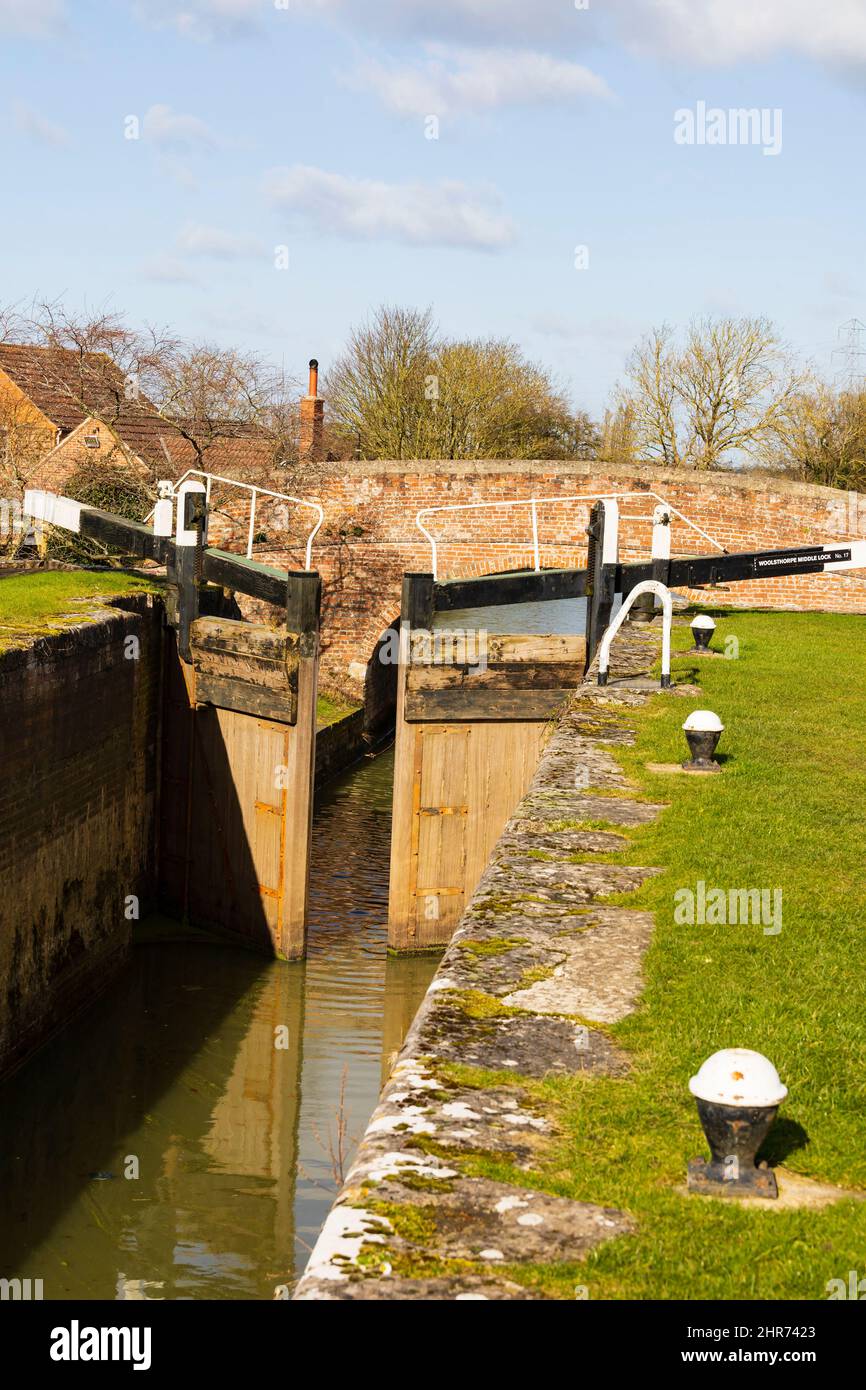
(263, 173)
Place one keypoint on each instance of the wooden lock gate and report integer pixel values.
(238, 733)
(470, 729)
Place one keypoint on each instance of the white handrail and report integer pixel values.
(535, 502)
(256, 490)
(648, 586)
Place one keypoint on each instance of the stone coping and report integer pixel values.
(649, 476)
(538, 958)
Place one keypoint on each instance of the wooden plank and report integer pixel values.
(482, 704)
(245, 576)
(237, 810)
(505, 757)
(501, 675)
(244, 697)
(303, 606)
(279, 677)
(537, 646)
(467, 780)
(443, 776)
(256, 640)
(417, 603)
(442, 647)
(520, 586)
(247, 667)
(131, 537)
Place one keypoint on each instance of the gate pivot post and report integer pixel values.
(190, 538)
(303, 607)
(601, 573)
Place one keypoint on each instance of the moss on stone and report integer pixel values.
(410, 1220)
(534, 975)
(493, 946)
(476, 1004)
(503, 904)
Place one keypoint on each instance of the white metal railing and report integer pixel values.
(255, 492)
(535, 502)
(649, 586)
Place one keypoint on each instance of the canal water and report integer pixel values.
(563, 617)
(185, 1138)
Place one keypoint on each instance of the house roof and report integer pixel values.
(228, 448)
(71, 388)
(67, 386)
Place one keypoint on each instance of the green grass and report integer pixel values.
(786, 812)
(329, 710)
(34, 605)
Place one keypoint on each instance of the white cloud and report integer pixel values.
(703, 32)
(207, 19)
(174, 130)
(706, 33)
(167, 270)
(715, 32)
(32, 19)
(198, 240)
(418, 214)
(38, 128)
(500, 21)
(479, 79)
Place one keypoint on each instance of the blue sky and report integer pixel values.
(306, 127)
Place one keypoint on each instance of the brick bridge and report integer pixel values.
(369, 539)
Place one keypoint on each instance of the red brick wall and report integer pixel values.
(369, 538)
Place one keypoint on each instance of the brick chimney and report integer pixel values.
(312, 419)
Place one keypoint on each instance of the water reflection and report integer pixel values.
(216, 1078)
(561, 617)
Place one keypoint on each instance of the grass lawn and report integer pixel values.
(788, 811)
(329, 709)
(37, 604)
(34, 605)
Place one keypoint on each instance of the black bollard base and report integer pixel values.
(714, 1181)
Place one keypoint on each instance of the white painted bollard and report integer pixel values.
(702, 629)
(163, 512)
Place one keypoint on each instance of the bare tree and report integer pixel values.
(720, 397)
(97, 362)
(376, 388)
(618, 444)
(651, 398)
(210, 393)
(98, 365)
(821, 437)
